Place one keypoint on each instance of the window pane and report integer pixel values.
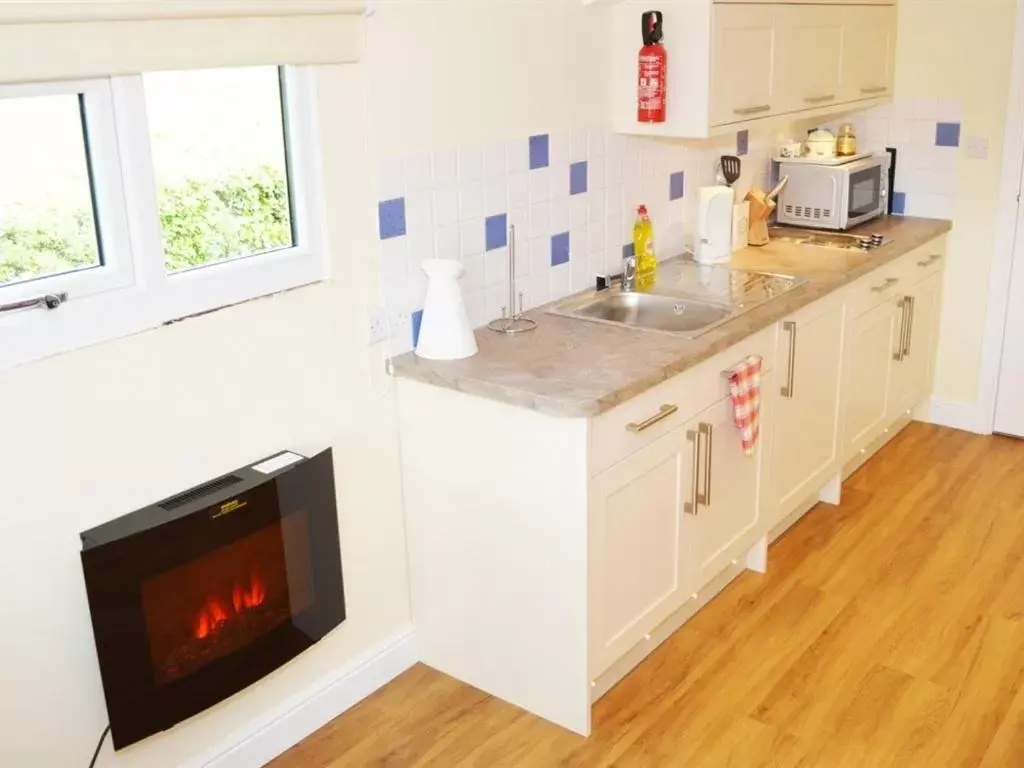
(47, 223)
(221, 168)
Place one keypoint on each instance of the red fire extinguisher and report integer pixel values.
(652, 66)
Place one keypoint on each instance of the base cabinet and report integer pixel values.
(639, 556)
(726, 518)
(872, 343)
(806, 446)
(914, 370)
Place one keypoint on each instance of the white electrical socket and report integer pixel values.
(378, 326)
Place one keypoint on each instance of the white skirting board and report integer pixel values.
(302, 714)
(965, 416)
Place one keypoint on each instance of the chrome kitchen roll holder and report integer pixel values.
(512, 321)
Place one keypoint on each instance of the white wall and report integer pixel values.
(961, 50)
(90, 435)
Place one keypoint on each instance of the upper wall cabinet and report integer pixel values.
(736, 64)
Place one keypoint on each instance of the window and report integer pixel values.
(144, 199)
(47, 219)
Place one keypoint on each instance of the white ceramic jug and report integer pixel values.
(445, 332)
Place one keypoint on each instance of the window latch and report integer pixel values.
(49, 301)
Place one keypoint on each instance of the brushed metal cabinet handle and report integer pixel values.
(708, 431)
(875, 89)
(889, 283)
(753, 110)
(898, 354)
(820, 99)
(663, 413)
(690, 507)
(930, 260)
(787, 391)
(910, 326)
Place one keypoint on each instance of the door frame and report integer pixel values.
(1003, 259)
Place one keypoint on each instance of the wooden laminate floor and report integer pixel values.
(888, 632)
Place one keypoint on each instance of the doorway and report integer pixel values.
(1009, 416)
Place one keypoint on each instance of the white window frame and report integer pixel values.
(133, 291)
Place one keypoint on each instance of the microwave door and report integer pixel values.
(865, 198)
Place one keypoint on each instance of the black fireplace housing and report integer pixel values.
(198, 596)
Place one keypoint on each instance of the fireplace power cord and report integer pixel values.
(96, 754)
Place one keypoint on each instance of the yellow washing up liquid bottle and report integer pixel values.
(643, 248)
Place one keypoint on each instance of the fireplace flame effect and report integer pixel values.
(213, 615)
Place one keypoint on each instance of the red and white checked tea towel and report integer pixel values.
(745, 390)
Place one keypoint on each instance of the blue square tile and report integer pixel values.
(417, 321)
(899, 203)
(947, 134)
(539, 151)
(496, 231)
(628, 250)
(742, 143)
(578, 178)
(391, 218)
(559, 249)
(676, 185)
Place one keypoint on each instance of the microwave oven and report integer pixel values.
(834, 196)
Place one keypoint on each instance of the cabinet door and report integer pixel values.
(638, 557)
(810, 56)
(871, 342)
(727, 516)
(918, 340)
(869, 52)
(743, 52)
(806, 449)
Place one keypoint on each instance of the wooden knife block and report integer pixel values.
(760, 210)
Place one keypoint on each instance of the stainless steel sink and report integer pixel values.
(648, 310)
(687, 299)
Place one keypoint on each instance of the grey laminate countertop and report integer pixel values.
(575, 368)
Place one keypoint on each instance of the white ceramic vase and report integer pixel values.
(445, 332)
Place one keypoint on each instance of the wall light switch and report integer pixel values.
(976, 147)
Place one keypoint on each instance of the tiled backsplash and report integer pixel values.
(572, 198)
(927, 135)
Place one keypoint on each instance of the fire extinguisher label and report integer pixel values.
(651, 88)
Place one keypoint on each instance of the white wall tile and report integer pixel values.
(613, 170)
(539, 255)
(419, 213)
(540, 288)
(598, 141)
(471, 237)
(578, 211)
(496, 298)
(558, 149)
(596, 205)
(540, 185)
(496, 267)
(495, 197)
(540, 220)
(520, 219)
(926, 108)
(476, 308)
(473, 279)
(390, 179)
(901, 131)
(446, 206)
(419, 175)
(597, 238)
(446, 241)
(517, 155)
(561, 281)
(470, 164)
(471, 200)
(597, 173)
(559, 182)
(949, 111)
(579, 241)
(446, 167)
(560, 215)
(923, 133)
(579, 140)
(518, 189)
(495, 166)
(581, 278)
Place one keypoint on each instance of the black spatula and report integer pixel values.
(730, 169)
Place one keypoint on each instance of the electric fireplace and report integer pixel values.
(202, 594)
